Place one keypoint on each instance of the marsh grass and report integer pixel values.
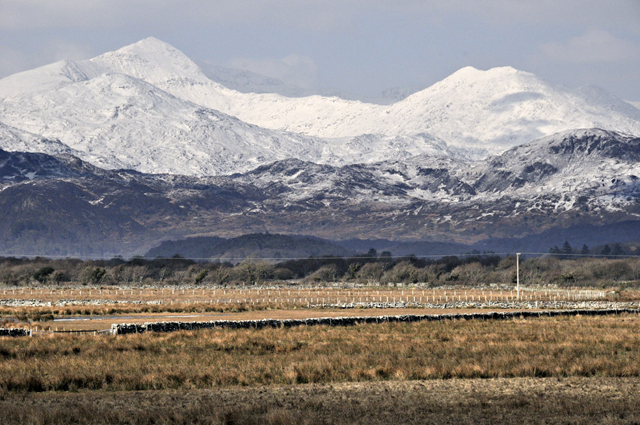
(43, 314)
(517, 401)
(545, 347)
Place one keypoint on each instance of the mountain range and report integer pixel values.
(586, 180)
(118, 153)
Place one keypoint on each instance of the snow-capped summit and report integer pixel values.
(150, 60)
(494, 109)
(42, 79)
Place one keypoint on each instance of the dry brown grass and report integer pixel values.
(557, 347)
(47, 313)
(478, 401)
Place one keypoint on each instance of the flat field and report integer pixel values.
(543, 347)
(297, 294)
(96, 308)
(553, 370)
(101, 323)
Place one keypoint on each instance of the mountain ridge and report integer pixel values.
(587, 179)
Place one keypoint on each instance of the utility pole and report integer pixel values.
(518, 275)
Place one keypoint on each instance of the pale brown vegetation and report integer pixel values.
(556, 347)
(478, 401)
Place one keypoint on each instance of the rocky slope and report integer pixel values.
(586, 180)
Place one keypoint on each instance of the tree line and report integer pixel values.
(612, 250)
(370, 268)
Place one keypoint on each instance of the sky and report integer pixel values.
(360, 47)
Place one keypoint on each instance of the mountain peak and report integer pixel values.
(469, 73)
(149, 45)
(151, 60)
(505, 70)
(148, 106)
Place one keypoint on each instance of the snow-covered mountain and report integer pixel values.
(17, 140)
(566, 163)
(494, 110)
(498, 108)
(108, 112)
(149, 107)
(117, 121)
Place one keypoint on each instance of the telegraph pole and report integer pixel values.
(518, 275)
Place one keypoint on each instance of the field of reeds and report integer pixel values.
(378, 373)
(545, 347)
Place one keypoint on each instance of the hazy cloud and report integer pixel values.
(309, 14)
(583, 12)
(53, 50)
(358, 44)
(12, 61)
(34, 14)
(66, 49)
(592, 46)
(298, 70)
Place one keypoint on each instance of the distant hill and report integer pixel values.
(256, 245)
(587, 234)
(404, 248)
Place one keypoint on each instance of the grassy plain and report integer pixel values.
(545, 347)
(552, 370)
(92, 322)
(157, 304)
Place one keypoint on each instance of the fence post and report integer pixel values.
(518, 274)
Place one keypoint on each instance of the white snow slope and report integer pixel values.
(149, 107)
